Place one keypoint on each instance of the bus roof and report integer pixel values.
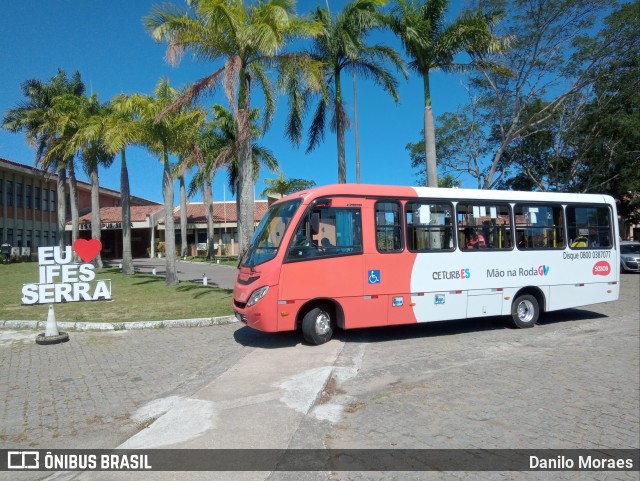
(404, 192)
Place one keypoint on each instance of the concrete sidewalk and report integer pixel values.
(261, 402)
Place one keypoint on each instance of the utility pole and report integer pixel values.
(355, 115)
(355, 119)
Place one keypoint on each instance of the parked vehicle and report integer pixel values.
(629, 256)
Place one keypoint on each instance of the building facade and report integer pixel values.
(29, 206)
(29, 217)
(225, 226)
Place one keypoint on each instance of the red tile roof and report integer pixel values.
(139, 213)
(222, 212)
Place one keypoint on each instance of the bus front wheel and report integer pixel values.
(525, 311)
(317, 325)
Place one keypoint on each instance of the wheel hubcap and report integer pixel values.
(525, 311)
(323, 323)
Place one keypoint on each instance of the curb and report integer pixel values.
(123, 326)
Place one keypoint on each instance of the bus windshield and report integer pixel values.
(270, 232)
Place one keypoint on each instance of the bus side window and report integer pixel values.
(589, 226)
(539, 226)
(388, 226)
(429, 226)
(327, 232)
(484, 226)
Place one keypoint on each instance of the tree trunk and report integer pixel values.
(184, 246)
(95, 212)
(62, 206)
(207, 199)
(246, 181)
(340, 129)
(429, 136)
(169, 225)
(73, 196)
(245, 196)
(127, 258)
(494, 165)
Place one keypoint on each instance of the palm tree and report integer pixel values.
(162, 136)
(182, 169)
(432, 45)
(77, 121)
(121, 129)
(248, 40)
(28, 117)
(218, 147)
(341, 47)
(281, 186)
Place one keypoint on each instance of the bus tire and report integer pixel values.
(317, 325)
(525, 311)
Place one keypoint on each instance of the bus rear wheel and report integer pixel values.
(317, 325)
(525, 311)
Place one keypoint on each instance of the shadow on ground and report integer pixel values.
(267, 340)
(276, 340)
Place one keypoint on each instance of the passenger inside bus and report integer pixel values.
(474, 239)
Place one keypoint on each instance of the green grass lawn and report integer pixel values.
(141, 297)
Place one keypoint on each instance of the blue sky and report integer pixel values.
(107, 43)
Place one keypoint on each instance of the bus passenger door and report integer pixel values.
(324, 259)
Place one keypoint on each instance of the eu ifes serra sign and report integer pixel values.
(62, 280)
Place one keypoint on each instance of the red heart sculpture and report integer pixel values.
(87, 249)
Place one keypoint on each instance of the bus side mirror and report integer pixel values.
(315, 223)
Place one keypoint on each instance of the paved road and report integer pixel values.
(571, 382)
(217, 275)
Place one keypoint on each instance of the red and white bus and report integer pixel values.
(352, 256)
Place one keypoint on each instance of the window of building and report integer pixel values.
(9, 192)
(28, 239)
(539, 226)
(1, 191)
(36, 237)
(10, 236)
(27, 197)
(327, 232)
(19, 195)
(45, 238)
(429, 226)
(388, 226)
(484, 226)
(54, 198)
(19, 238)
(37, 198)
(589, 226)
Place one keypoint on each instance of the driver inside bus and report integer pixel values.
(474, 239)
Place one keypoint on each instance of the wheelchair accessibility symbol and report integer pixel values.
(374, 276)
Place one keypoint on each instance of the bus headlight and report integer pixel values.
(257, 295)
